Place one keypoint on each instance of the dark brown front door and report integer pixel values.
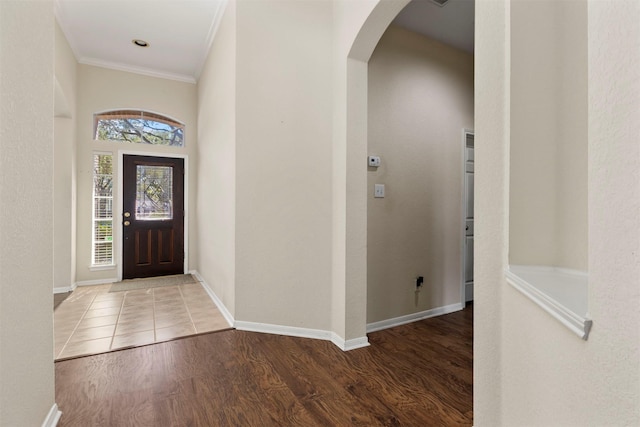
(153, 216)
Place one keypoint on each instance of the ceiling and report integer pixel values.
(179, 33)
(451, 24)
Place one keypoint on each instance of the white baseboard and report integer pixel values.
(65, 289)
(414, 317)
(97, 282)
(291, 331)
(217, 301)
(352, 344)
(52, 417)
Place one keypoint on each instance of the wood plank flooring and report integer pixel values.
(418, 374)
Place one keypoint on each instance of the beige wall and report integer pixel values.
(528, 368)
(64, 164)
(358, 26)
(548, 198)
(284, 171)
(101, 89)
(420, 100)
(26, 225)
(216, 161)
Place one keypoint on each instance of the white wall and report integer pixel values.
(420, 100)
(64, 164)
(548, 178)
(358, 26)
(528, 368)
(26, 224)
(101, 89)
(283, 161)
(216, 160)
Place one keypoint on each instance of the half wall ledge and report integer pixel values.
(562, 293)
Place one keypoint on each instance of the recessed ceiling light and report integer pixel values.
(140, 43)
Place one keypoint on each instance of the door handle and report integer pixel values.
(467, 228)
(127, 214)
(126, 223)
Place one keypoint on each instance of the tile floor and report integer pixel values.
(92, 320)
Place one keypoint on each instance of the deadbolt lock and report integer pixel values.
(127, 214)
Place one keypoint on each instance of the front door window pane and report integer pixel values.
(154, 193)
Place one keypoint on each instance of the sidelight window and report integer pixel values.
(102, 236)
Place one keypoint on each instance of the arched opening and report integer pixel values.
(357, 186)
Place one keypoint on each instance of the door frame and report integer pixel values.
(119, 205)
(463, 215)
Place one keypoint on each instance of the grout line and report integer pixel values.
(153, 304)
(76, 327)
(113, 336)
(188, 311)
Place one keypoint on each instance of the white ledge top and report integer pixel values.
(563, 293)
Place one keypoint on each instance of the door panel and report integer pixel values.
(153, 216)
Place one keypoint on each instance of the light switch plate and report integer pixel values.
(378, 191)
(374, 161)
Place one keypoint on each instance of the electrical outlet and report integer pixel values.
(419, 282)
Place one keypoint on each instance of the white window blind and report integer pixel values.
(102, 237)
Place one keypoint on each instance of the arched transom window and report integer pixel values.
(139, 127)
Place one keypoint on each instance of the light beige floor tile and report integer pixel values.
(138, 309)
(63, 332)
(171, 311)
(202, 308)
(92, 322)
(202, 315)
(135, 326)
(92, 333)
(133, 339)
(169, 292)
(69, 313)
(167, 321)
(141, 293)
(102, 312)
(105, 304)
(210, 325)
(61, 341)
(136, 317)
(170, 302)
(90, 312)
(81, 348)
(175, 331)
(109, 296)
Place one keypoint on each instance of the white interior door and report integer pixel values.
(468, 200)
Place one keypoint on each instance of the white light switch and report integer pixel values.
(378, 190)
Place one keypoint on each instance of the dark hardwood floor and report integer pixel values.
(418, 374)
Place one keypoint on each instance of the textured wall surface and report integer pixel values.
(26, 215)
(420, 100)
(216, 193)
(529, 369)
(284, 180)
(64, 179)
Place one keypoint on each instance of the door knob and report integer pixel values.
(127, 214)
(467, 228)
(126, 223)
